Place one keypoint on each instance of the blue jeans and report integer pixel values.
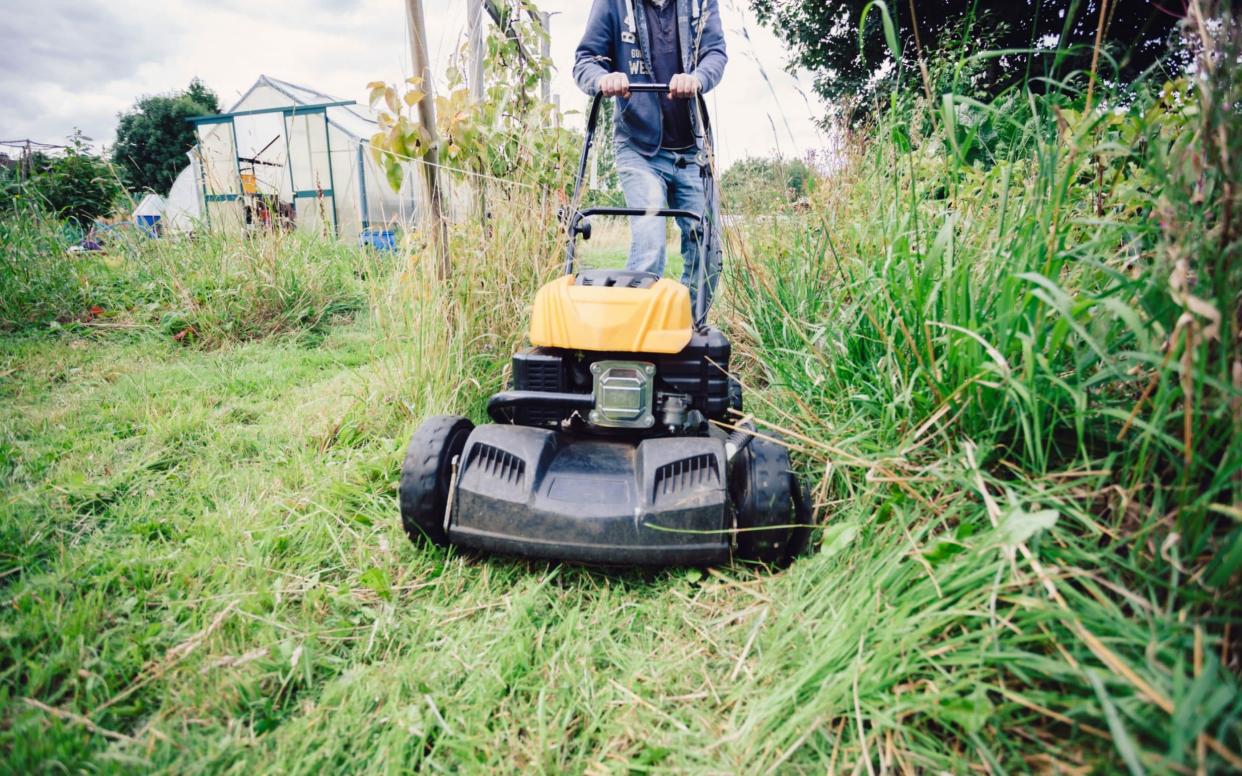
(657, 182)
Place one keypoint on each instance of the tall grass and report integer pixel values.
(209, 289)
(35, 283)
(1013, 369)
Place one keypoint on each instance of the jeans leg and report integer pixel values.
(643, 188)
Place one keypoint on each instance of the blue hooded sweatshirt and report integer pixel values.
(616, 41)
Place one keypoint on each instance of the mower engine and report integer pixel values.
(661, 393)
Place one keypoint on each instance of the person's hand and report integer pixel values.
(683, 86)
(614, 85)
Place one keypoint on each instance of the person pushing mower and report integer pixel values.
(659, 139)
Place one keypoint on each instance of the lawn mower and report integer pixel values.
(606, 448)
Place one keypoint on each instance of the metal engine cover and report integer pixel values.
(624, 394)
(543, 494)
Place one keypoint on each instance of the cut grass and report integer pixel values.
(341, 644)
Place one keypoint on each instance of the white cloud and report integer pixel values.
(107, 53)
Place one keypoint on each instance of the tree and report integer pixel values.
(154, 136)
(759, 185)
(1048, 38)
(78, 186)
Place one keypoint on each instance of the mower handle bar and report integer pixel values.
(649, 88)
(578, 224)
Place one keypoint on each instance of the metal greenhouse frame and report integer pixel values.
(213, 193)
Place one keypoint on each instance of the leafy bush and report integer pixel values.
(509, 135)
(77, 185)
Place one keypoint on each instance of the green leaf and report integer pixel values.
(653, 755)
(1019, 525)
(1227, 561)
(890, 32)
(836, 538)
(900, 137)
(942, 549)
(394, 172)
(1121, 737)
(376, 579)
(971, 712)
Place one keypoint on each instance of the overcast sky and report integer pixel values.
(77, 63)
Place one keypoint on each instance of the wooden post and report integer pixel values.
(475, 45)
(427, 117)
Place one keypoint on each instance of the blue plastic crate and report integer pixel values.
(378, 239)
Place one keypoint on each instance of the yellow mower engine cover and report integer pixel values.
(652, 318)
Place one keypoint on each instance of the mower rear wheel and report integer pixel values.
(762, 487)
(426, 475)
(735, 394)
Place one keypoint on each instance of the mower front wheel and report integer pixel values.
(771, 506)
(426, 476)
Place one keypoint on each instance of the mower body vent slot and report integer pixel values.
(687, 473)
(498, 464)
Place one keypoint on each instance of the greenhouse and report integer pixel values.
(287, 156)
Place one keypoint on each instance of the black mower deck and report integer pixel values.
(534, 492)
